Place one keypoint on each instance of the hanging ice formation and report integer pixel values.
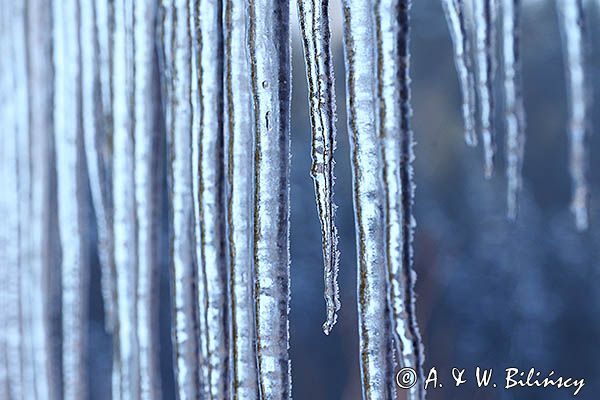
(513, 102)
(314, 22)
(573, 32)
(457, 22)
(90, 94)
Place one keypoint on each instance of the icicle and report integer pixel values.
(513, 102)
(201, 285)
(72, 203)
(95, 22)
(392, 17)
(269, 46)
(212, 264)
(39, 36)
(455, 16)
(375, 335)
(314, 22)
(146, 137)
(177, 47)
(239, 137)
(10, 216)
(485, 19)
(573, 36)
(124, 199)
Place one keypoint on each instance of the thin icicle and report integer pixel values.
(213, 263)
(72, 205)
(392, 17)
(455, 16)
(147, 196)
(375, 334)
(96, 28)
(484, 12)
(201, 285)
(10, 217)
(239, 137)
(314, 23)
(124, 199)
(269, 47)
(573, 32)
(176, 36)
(513, 102)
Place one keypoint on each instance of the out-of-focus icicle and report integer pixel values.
(239, 137)
(573, 32)
(39, 47)
(513, 102)
(177, 50)
(213, 262)
(10, 216)
(484, 14)
(26, 260)
(269, 47)
(72, 199)
(125, 221)
(393, 60)
(147, 195)
(314, 23)
(455, 16)
(375, 334)
(96, 23)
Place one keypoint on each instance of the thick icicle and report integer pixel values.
(269, 46)
(375, 334)
(96, 22)
(177, 49)
(40, 80)
(393, 60)
(10, 216)
(147, 195)
(314, 23)
(213, 262)
(573, 32)
(239, 137)
(455, 16)
(125, 222)
(484, 12)
(72, 199)
(513, 102)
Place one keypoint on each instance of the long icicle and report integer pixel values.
(39, 36)
(177, 45)
(146, 136)
(484, 12)
(269, 46)
(239, 137)
(513, 102)
(573, 32)
(205, 371)
(10, 199)
(124, 199)
(314, 23)
(393, 62)
(213, 263)
(95, 26)
(375, 334)
(18, 57)
(455, 17)
(72, 199)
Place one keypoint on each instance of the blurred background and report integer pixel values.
(491, 293)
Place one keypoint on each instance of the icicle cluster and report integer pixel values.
(99, 98)
(483, 18)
